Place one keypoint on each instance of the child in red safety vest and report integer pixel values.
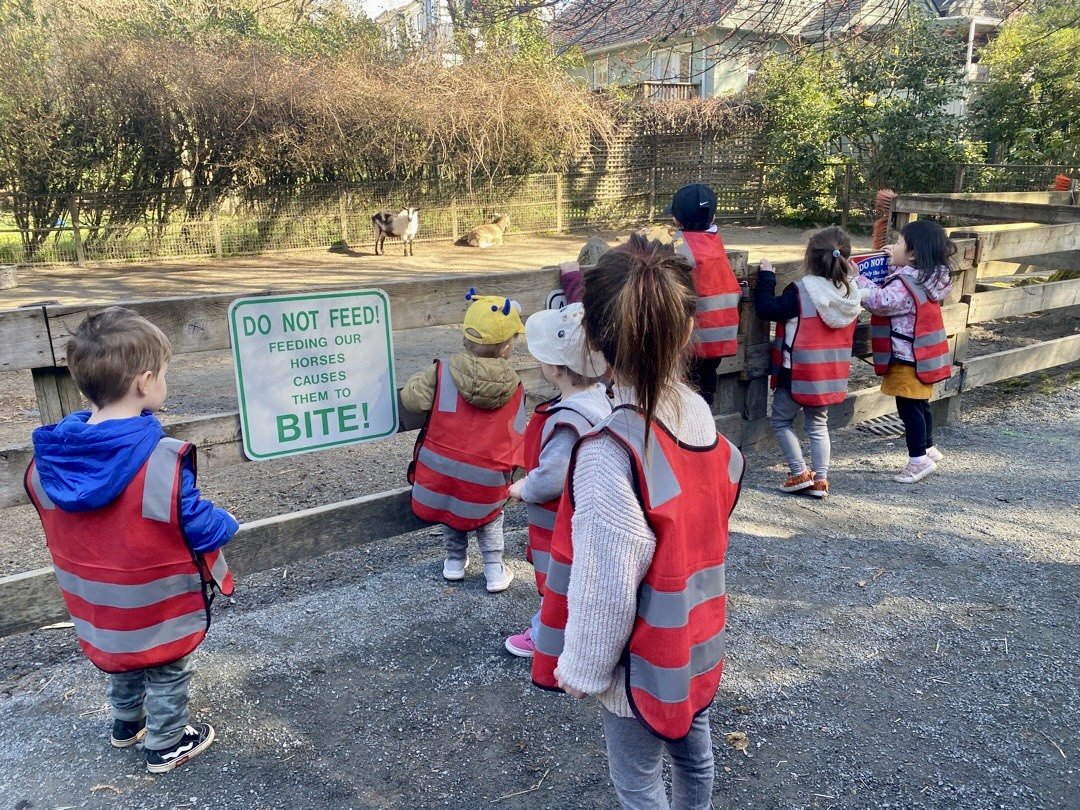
(134, 546)
(635, 603)
(815, 325)
(716, 321)
(908, 335)
(472, 441)
(557, 339)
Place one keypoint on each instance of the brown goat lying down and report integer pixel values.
(487, 235)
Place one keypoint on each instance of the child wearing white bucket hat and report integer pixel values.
(557, 339)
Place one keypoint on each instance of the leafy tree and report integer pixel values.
(1028, 109)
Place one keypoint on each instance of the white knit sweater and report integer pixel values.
(613, 549)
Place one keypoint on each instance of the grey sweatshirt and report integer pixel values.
(613, 549)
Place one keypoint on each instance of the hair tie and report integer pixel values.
(836, 253)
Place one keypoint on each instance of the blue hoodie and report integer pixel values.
(85, 467)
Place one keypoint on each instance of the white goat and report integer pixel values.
(403, 225)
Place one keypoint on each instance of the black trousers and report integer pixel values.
(918, 424)
(702, 373)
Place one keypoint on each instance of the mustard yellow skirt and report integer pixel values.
(900, 381)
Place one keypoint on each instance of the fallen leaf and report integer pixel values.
(737, 740)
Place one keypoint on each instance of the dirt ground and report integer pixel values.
(113, 281)
(891, 647)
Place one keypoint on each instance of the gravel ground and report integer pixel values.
(896, 646)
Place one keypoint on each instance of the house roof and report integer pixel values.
(598, 24)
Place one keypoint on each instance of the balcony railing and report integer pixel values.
(667, 91)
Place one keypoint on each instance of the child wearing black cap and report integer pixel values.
(716, 323)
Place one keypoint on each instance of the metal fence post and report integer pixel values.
(958, 183)
(558, 203)
(73, 209)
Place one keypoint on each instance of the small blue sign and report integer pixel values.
(874, 266)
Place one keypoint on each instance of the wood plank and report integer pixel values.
(978, 207)
(24, 339)
(1000, 245)
(30, 600)
(1005, 303)
(56, 394)
(992, 368)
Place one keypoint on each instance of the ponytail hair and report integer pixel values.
(639, 307)
(933, 249)
(827, 255)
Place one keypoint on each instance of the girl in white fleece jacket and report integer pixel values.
(835, 298)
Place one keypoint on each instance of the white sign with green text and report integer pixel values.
(313, 371)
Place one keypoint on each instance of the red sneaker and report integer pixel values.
(521, 645)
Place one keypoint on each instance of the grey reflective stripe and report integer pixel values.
(880, 331)
(549, 641)
(568, 417)
(715, 334)
(43, 498)
(923, 341)
(917, 290)
(711, 303)
(219, 570)
(806, 303)
(820, 355)
(819, 386)
(107, 594)
(558, 577)
(541, 561)
(541, 517)
(448, 393)
(146, 638)
(668, 609)
(521, 419)
(661, 483)
(882, 358)
(161, 472)
(455, 506)
(735, 462)
(934, 363)
(459, 470)
(672, 684)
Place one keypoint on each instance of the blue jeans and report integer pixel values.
(636, 760)
(159, 694)
(534, 624)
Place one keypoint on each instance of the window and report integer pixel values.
(672, 65)
(600, 73)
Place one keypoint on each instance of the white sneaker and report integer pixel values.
(915, 471)
(498, 577)
(454, 570)
(934, 454)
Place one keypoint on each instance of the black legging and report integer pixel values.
(702, 374)
(918, 424)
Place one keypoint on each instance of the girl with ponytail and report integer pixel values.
(634, 609)
(815, 325)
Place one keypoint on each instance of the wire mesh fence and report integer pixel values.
(610, 189)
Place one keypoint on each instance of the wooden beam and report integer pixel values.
(992, 368)
(1006, 207)
(30, 600)
(1005, 303)
(1013, 244)
(56, 393)
(24, 339)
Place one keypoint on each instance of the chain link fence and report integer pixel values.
(183, 223)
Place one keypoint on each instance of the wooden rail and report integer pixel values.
(35, 338)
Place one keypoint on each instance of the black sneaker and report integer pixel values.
(125, 733)
(196, 739)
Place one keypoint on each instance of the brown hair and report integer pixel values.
(110, 349)
(639, 302)
(488, 350)
(822, 259)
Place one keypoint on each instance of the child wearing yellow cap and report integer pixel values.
(472, 441)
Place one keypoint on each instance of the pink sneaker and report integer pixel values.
(915, 471)
(934, 454)
(521, 645)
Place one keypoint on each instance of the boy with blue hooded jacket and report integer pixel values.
(134, 545)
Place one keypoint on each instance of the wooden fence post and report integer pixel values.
(73, 209)
(958, 182)
(652, 194)
(57, 394)
(343, 216)
(846, 202)
(454, 233)
(215, 226)
(559, 203)
(760, 215)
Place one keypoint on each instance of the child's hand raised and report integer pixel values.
(765, 266)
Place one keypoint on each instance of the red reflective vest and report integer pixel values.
(139, 597)
(545, 419)
(675, 655)
(820, 356)
(929, 344)
(716, 323)
(464, 456)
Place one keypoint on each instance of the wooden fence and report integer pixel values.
(35, 338)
